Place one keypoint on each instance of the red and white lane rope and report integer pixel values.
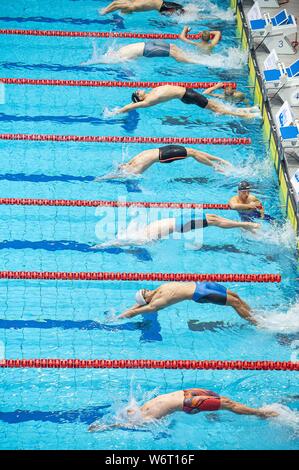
(108, 83)
(147, 364)
(96, 203)
(124, 276)
(94, 34)
(128, 140)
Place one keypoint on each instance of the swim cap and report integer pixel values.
(139, 298)
(135, 97)
(244, 186)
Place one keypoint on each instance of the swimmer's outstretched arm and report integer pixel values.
(216, 38)
(109, 427)
(209, 91)
(131, 106)
(138, 310)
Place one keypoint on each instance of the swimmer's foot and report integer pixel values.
(267, 413)
(251, 226)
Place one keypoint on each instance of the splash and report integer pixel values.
(279, 322)
(207, 10)
(281, 235)
(286, 416)
(252, 168)
(98, 57)
(108, 113)
(235, 58)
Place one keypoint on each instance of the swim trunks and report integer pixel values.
(156, 49)
(210, 292)
(169, 8)
(193, 97)
(193, 224)
(170, 153)
(250, 216)
(199, 399)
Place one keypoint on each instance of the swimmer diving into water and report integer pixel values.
(158, 48)
(248, 205)
(167, 154)
(148, 301)
(164, 227)
(130, 6)
(164, 93)
(190, 401)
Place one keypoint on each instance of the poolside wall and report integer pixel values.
(271, 138)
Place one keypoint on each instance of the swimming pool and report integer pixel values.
(51, 409)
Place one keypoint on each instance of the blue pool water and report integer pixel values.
(50, 409)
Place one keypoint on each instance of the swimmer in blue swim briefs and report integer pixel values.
(166, 154)
(248, 205)
(148, 301)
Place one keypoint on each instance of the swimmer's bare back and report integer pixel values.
(130, 6)
(163, 405)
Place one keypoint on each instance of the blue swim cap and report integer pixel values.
(244, 186)
(135, 97)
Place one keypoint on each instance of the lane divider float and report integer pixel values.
(135, 276)
(147, 364)
(128, 140)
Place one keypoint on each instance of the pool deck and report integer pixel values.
(292, 7)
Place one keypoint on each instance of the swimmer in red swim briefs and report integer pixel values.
(191, 401)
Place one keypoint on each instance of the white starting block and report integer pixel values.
(288, 126)
(273, 32)
(271, 3)
(281, 78)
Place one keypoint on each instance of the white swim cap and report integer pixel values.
(139, 298)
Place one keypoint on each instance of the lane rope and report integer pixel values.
(128, 140)
(147, 364)
(95, 34)
(103, 203)
(108, 83)
(135, 276)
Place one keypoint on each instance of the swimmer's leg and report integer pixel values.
(215, 220)
(241, 307)
(220, 109)
(116, 5)
(240, 409)
(179, 55)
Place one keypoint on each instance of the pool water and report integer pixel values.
(51, 409)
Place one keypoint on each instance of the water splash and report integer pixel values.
(281, 235)
(111, 56)
(206, 10)
(108, 113)
(286, 416)
(252, 168)
(279, 322)
(235, 58)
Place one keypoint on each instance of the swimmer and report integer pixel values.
(161, 94)
(148, 49)
(190, 401)
(130, 6)
(229, 93)
(207, 42)
(164, 227)
(167, 154)
(248, 205)
(148, 301)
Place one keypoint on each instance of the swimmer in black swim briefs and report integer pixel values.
(148, 301)
(161, 94)
(165, 154)
(130, 6)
